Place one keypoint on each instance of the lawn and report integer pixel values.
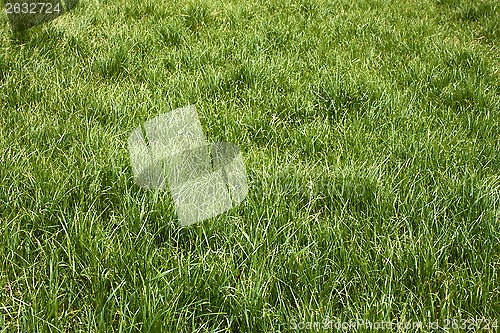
(370, 131)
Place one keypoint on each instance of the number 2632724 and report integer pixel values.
(33, 8)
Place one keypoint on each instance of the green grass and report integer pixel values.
(371, 135)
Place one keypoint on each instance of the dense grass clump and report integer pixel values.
(370, 132)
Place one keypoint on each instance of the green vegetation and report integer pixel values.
(371, 134)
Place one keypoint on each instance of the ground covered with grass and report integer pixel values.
(371, 135)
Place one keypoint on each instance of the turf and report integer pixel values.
(371, 136)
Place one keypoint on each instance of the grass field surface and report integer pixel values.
(371, 135)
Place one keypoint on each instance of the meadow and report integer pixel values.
(370, 131)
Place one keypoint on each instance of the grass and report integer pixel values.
(371, 135)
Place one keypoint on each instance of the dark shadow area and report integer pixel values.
(26, 14)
